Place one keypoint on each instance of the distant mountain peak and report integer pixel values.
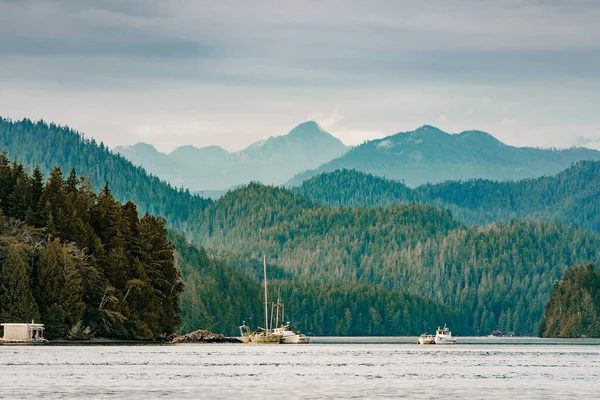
(189, 149)
(429, 130)
(136, 148)
(308, 128)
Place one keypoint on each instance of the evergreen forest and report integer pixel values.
(83, 263)
(574, 307)
(348, 253)
(571, 197)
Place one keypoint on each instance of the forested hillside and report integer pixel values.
(219, 297)
(49, 145)
(429, 155)
(574, 308)
(81, 263)
(380, 263)
(495, 277)
(570, 197)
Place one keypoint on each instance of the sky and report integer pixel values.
(230, 72)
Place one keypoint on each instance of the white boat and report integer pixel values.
(444, 336)
(289, 336)
(286, 331)
(426, 339)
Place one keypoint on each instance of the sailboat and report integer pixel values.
(286, 331)
(266, 336)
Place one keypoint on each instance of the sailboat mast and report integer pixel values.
(266, 308)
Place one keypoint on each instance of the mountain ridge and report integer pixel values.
(570, 197)
(430, 155)
(272, 160)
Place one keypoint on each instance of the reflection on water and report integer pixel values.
(331, 368)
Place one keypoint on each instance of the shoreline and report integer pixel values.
(333, 340)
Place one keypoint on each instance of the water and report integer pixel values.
(332, 369)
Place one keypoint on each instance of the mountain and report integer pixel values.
(429, 155)
(274, 160)
(50, 145)
(399, 268)
(570, 197)
(495, 277)
(114, 261)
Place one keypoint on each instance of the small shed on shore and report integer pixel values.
(23, 333)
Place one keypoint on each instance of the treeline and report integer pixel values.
(220, 294)
(49, 145)
(342, 309)
(574, 308)
(497, 277)
(81, 263)
(570, 197)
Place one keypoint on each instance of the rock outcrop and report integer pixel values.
(202, 336)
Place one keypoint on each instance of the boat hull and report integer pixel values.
(295, 339)
(426, 340)
(265, 339)
(439, 340)
(303, 340)
(290, 339)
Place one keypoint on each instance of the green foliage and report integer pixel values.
(50, 145)
(219, 296)
(574, 307)
(340, 270)
(499, 276)
(336, 309)
(16, 299)
(89, 264)
(571, 197)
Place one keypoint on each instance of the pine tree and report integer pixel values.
(60, 288)
(18, 303)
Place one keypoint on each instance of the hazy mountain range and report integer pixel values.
(429, 155)
(425, 155)
(271, 161)
(379, 270)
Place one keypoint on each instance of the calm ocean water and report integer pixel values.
(331, 368)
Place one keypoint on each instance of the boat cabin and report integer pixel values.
(443, 332)
(23, 333)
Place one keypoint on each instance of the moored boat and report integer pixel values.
(286, 331)
(289, 336)
(426, 339)
(444, 336)
(266, 336)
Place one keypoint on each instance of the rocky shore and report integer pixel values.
(202, 336)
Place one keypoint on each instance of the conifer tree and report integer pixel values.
(59, 287)
(18, 303)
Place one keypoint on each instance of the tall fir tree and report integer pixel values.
(18, 303)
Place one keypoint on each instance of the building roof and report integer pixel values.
(22, 324)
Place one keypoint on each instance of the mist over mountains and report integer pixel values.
(429, 155)
(425, 155)
(271, 161)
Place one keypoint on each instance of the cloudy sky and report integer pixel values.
(232, 72)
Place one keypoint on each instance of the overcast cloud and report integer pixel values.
(232, 72)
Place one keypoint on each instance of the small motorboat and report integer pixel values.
(426, 339)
